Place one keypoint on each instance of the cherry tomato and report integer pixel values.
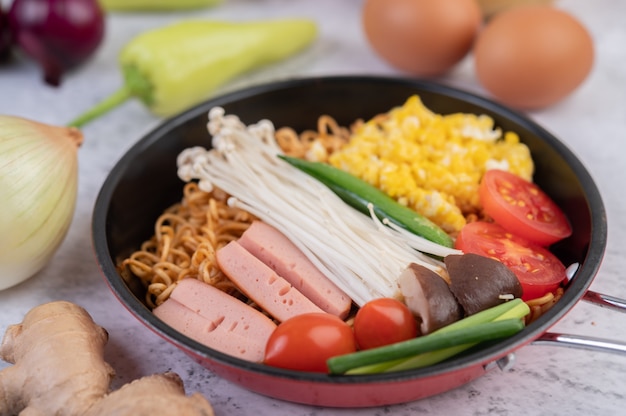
(538, 270)
(522, 208)
(306, 341)
(383, 321)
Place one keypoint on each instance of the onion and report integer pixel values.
(5, 40)
(59, 34)
(38, 187)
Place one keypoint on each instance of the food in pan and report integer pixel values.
(248, 195)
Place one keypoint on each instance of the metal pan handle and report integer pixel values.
(585, 342)
(605, 301)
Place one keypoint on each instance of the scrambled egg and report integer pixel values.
(430, 162)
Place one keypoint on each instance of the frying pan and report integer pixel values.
(144, 182)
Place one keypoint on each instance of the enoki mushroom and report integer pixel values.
(363, 257)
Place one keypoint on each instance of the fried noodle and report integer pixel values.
(186, 237)
(315, 144)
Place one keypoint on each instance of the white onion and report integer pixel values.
(38, 187)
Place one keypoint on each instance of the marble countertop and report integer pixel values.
(544, 381)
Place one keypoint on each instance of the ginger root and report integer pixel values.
(159, 394)
(59, 369)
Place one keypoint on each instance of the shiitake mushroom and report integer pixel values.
(429, 298)
(479, 282)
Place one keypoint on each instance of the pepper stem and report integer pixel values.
(103, 107)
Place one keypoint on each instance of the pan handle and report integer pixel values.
(605, 301)
(581, 342)
(584, 342)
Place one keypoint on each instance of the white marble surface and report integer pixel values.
(545, 380)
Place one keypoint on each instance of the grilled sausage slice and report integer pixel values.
(278, 252)
(216, 319)
(263, 285)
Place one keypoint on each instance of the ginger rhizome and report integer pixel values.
(59, 369)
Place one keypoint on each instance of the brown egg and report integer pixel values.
(492, 7)
(421, 37)
(530, 57)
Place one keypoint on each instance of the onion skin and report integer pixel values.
(59, 34)
(38, 188)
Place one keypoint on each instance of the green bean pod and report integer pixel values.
(359, 194)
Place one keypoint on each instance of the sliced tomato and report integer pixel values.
(306, 341)
(538, 270)
(383, 321)
(522, 208)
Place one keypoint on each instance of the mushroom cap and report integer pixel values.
(429, 298)
(480, 282)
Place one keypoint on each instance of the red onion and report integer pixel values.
(59, 34)
(5, 35)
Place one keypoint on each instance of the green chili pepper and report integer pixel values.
(155, 5)
(358, 194)
(173, 68)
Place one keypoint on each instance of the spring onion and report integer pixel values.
(437, 346)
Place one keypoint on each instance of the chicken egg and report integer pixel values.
(421, 37)
(492, 7)
(531, 57)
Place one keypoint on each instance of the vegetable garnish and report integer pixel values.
(383, 321)
(305, 342)
(345, 245)
(433, 342)
(522, 208)
(537, 269)
(39, 181)
(517, 309)
(358, 193)
(172, 68)
(498, 322)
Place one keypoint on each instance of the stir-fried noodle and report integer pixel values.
(186, 238)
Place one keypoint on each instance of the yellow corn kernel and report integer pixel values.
(432, 162)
